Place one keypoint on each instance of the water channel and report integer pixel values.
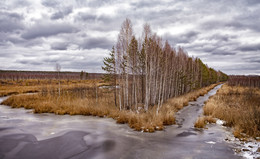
(24, 134)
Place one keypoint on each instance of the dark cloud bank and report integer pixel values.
(34, 35)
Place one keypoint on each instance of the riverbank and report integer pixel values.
(239, 107)
(47, 136)
(74, 102)
(239, 110)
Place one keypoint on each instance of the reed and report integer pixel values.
(203, 121)
(239, 107)
(81, 99)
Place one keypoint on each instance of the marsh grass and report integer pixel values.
(81, 99)
(178, 103)
(13, 87)
(239, 107)
(203, 121)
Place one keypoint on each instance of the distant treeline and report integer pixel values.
(150, 71)
(249, 81)
(20, 75)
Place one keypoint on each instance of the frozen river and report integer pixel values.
(27, 135)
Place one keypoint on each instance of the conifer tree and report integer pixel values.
(110, 68)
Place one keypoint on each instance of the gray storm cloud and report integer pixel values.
(78, 34)
(47, 29)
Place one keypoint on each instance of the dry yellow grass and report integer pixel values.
(239, 107)
(179, 102)
(10, 87)
(203, 121)
(80, 99)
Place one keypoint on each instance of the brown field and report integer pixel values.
(85, 98)
(239, 107)
(11, 87)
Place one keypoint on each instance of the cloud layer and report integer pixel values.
(78, 34)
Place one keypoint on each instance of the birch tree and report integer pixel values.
(124, 39)
(150, 73)
(133, 52)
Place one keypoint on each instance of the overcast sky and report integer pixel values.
(36, 34)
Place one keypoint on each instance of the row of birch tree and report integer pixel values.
(147, 71)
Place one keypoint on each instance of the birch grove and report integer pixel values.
(149, 71)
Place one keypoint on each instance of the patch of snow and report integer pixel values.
(246, 155)
(220, 122)
(108, 87)
(211, 142)
(246, 149)
(252, 147)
